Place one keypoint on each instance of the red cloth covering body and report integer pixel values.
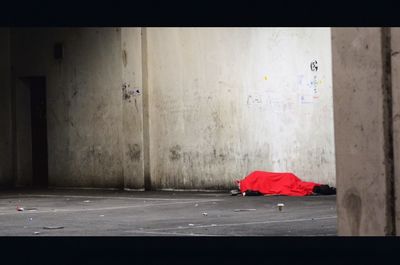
(276, 184)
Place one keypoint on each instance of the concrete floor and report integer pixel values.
(119, 213)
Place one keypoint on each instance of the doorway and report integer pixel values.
(39, 131)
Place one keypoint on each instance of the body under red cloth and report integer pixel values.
(276, 184)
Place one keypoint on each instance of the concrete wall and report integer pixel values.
(84, 101)
(6, 175)
(360, 131)
(225, 102)
(192, 108)
(132, 108)
(395, 55)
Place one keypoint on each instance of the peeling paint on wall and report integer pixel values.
(128, 92)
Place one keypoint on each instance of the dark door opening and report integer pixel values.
(39, 131)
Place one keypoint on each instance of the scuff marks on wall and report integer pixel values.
(96, 161)
(175, 152)
(352, 204)
(218, 124)
(124, 57)
(134, 152)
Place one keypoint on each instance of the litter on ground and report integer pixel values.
(53, 227)
(243, 210)
(235, 192)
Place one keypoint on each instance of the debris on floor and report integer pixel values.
(243, 210)
(53, 227)
(86, 201)
(235, 192)
(205, 214)
(191, 224)
(280, 206)
(20, 209)
(36, 233)
(31, 209)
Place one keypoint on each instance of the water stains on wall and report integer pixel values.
(134, 152)
(175, 152)
(229, 115)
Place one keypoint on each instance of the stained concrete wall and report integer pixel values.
(84, 101)
(395, 63)
(201, 107)
(132, 108)
(225, 102)
(359, 110)
(6, 177)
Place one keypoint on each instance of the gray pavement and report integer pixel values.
(123, 213)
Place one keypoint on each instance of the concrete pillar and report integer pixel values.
(361, 92)
(146, 118)
(395, 63)
(6, 174)
(132, 109)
